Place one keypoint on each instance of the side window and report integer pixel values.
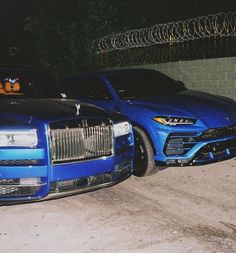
(92, 88)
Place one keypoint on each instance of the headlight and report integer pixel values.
(18, 138)
(173, 121)
(122, 129)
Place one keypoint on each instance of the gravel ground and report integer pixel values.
(179, 210)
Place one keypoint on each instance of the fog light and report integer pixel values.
(30, 181)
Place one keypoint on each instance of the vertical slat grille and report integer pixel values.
(71, 144)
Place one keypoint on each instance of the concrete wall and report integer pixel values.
(216, 76)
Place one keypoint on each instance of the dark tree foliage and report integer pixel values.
(15, 43)
(58, 34)
(64, 31)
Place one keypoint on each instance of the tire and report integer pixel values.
(144, 163)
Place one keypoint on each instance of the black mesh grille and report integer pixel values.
(218, 133)
(9, 181)
(216, 150)
(123, 169)
(75, 184)
(19, 162)
(179, 143)
(219, 146)
(16, 191)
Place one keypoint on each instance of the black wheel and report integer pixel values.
(144, 163)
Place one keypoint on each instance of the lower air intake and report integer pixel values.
(80, 183)
(18, 191)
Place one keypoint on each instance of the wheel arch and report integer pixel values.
(147, 133)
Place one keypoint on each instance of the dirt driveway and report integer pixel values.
(179, 210)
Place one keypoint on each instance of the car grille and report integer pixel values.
(179, 143)
(218, 133)
(23, 162)
(216, 150)
(79, 140)
(124, 168)
(17, 191)
(80, 183)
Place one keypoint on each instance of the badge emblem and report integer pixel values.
(227, 118)
(77, 106)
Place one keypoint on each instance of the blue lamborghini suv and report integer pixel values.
(51, 146)
(173, 126)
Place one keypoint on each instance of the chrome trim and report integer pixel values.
(81, 161)
(76, 144)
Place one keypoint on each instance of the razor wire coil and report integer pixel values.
(211, 26)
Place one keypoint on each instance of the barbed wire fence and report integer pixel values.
(208, 36)
(216, 25)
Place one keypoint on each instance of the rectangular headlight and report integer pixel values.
(122, 128)
(173, 121)
(18, 138)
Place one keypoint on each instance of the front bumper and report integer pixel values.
(76, 180)
(210, 152)
(190, 148)
(71, 162)
(75, 186)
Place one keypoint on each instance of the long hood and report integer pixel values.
(213, 111)
(24, 111)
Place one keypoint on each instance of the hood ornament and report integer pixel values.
(77, 106)
(227, 118)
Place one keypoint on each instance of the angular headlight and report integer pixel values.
(18, 138)
(173, 121)
(122, 128)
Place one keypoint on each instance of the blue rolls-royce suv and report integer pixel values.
(172, 125)
(51, 146)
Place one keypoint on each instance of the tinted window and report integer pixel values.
(89, 87)
(19, 84)
(136, 84)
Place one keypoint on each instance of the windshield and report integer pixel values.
(21, 84)
(143, 83)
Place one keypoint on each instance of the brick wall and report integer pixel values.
(216, 76)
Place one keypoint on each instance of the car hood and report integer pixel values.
(213, 111)
(24, 111)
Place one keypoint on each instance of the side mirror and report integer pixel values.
(181, 84)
